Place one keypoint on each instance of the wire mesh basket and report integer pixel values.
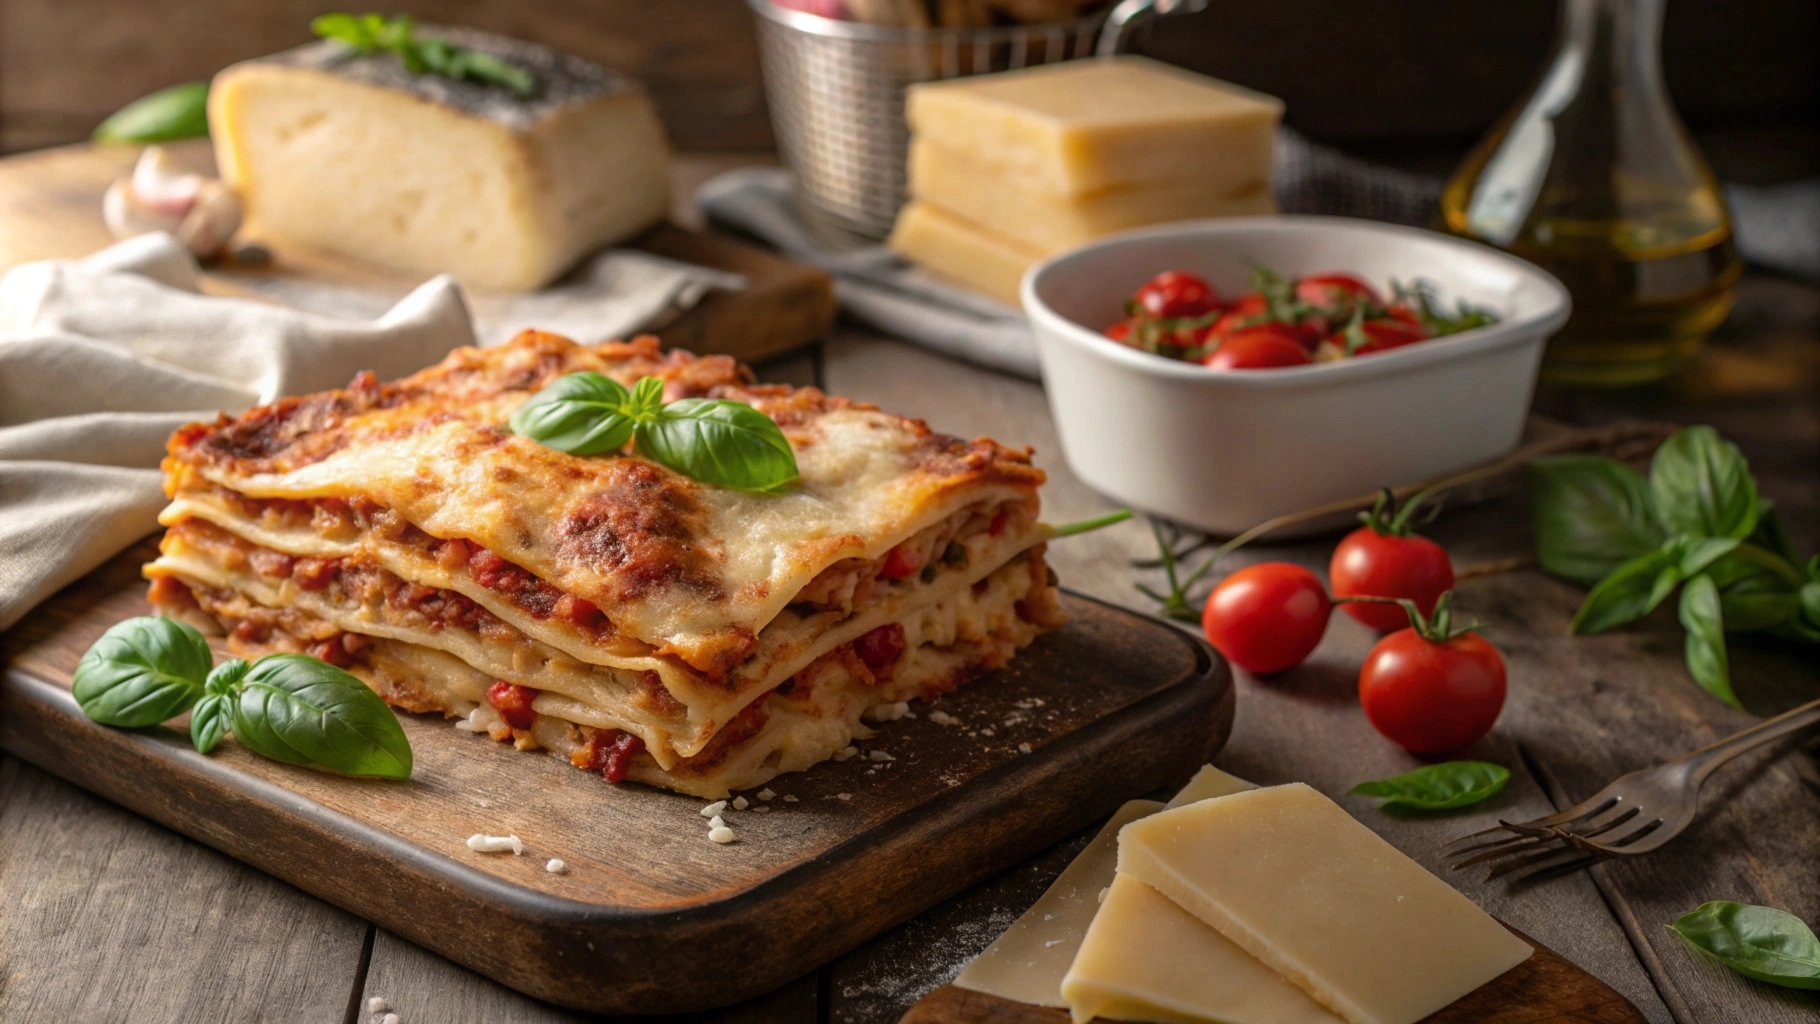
(836, 90)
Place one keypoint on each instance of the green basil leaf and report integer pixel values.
(1699, 552)
(728, 444)
(345, 28)
(579, 413)
(300, 710)
(209, 722)
(647, 399)
(1439, 787)
(1758, 942)
(1753, 593)
(1089, 525)
(1705, 625)
(1632, 591)
(1591, 514)
(1771, 535)
(1701, 485)
(1810, 605)
(141, 672)
(179, 112)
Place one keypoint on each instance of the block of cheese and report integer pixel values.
(962, 252)
(356, 156)
(1146, 959)
(1027, 962)
(1052, 222)
(1294, 880)
(1078, 127)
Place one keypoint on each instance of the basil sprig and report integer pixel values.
(371, 33)
(1438, 787)
(1758, 942)
(170, 114)
(728, 444)
(288, 707)
(1696, 524)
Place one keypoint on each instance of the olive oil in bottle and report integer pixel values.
(1594, 178)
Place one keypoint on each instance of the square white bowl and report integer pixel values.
(1227, 451)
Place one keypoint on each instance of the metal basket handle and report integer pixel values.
(1129, 16)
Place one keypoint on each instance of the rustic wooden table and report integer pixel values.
(108, 917)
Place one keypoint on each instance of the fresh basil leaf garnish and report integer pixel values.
(1703, 618)
(1089, 525)
(1591, 514)
(719, 442)
(1702, 486)
(141, 672)
(300, 710)
(1764, 943)
(212, 717)
(1438, 787)
(579, 413)
(1632, 591)
(370, 33)
(177, 112)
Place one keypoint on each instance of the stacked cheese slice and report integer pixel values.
(1245, 906)
(1008, 169)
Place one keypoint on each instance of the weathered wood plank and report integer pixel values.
(1304, 724)
(109, 917)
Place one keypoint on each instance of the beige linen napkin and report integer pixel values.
(100, 359)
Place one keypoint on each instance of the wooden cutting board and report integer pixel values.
(1545, 989)
(650, 916)
(50, 208)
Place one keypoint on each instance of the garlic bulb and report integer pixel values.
(202, 212)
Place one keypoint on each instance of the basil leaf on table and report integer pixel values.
(579, 413)
(1591, 514)
(1758, 942)
(1755, 588)
(1438, 787)
(212, 717)
(141, 672)
(719, 442)
(178, 112)
(1632, 591)
(1701, 485)
(299, 710)
(1704, 621)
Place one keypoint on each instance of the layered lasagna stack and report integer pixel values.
(606, 609)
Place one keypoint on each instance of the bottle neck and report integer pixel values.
(1621, 39)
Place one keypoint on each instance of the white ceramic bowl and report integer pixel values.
(1227, 451)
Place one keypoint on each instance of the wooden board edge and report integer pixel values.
(587, 956)
(1545, 989)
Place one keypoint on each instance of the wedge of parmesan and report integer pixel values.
(355, 156)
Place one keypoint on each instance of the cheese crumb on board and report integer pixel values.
(496, 844)
(1290, 877)
(377, 1005)
(714, 808)
(879, 755)
(767, 793)
(390, 1018)
(555, 866)
(943, 718)
(843, 797)
(1079, 127)
(721, 834)
(716, 822)
(845, 752)
(740, 803)
(354, 155)
(790, 799)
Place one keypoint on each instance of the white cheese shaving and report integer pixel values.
(943, 718)
(766, 793)
(846, 752)
(722, 835)
(843, 796)
(496, 844)
(555, 867)
(740, 803)
(717, 822)
(377, 1005)
(790, 799)
(888, 712)
(879, 755)
(714, 808)
(390, 1018)
(478, 720)
(1023, 748)
(761, 810)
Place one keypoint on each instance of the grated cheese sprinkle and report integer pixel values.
(496, 844)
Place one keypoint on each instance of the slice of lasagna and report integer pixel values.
(605, 608)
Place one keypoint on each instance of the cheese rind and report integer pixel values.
(1294, 880)
(1026, 964)
(1078, 127)
(964, 253)
(1146, 959)
(1054, 222)
(354, 156)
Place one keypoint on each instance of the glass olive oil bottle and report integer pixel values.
(1594, 178)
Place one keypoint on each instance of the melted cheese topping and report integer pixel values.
(694, 570)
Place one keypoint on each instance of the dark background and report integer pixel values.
(1410, 81)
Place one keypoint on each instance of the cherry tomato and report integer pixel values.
(1370, 563)
(1432, 697)
(1383, 334)
(1173, 293)
(1257, 348)
(1329, 291)
(1267, 617)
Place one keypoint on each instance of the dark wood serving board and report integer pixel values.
(50, 203)
(650, 916)
(1545, 989)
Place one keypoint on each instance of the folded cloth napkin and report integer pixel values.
(100, 359)
(1778, 228)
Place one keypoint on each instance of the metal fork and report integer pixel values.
(1634, 815)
